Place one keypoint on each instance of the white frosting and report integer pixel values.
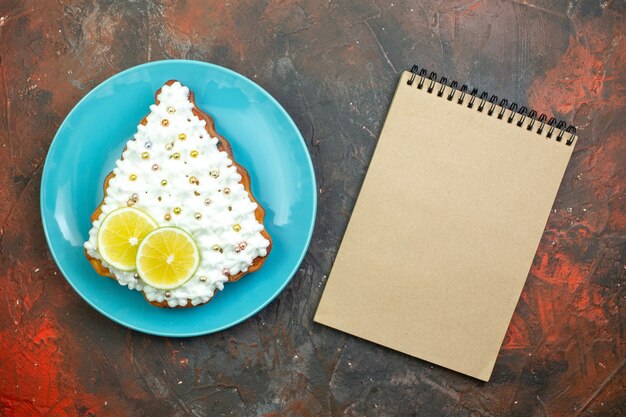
(214, 227)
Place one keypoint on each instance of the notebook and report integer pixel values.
(446, 224)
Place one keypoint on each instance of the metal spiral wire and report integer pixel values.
(465, 98)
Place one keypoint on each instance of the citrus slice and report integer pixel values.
(167, 258)
(120, 234)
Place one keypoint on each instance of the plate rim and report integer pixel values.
(43, 191)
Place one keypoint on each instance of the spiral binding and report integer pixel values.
(523, 114)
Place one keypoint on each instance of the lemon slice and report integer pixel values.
(167, 258)
(120, 234)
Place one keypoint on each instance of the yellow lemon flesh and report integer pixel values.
(120, 234)
(167, 258)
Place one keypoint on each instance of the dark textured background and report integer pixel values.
(333, 65)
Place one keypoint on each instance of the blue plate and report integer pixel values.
(264, 140)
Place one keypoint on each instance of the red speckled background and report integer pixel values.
(333, 65)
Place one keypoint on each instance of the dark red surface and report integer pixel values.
(333, 65)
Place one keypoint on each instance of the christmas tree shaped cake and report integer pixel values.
(178, 219)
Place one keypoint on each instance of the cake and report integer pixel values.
(179, 172)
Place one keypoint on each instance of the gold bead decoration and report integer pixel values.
(167, 217)
(176, 210)
(130, 202)
(214, 173)
(182, 136)
(226, 190)
(196, 193)
(133, 177)
(176, 155)
(136, 275)
(165, 122)
(203, 278)
(192, 180)
(207, 202)
(216, 248)
(198, 216)
(194, 154)
(164, 182)
(236, 227)
(155, 167)
(145, 155)
(169, 146)
(171, 109)
(168, 294)
(134, 196)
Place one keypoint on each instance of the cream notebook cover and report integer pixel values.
(446, 225)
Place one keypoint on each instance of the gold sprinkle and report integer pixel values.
(155, 167)
(197, 216)
(134, 196)
(171, 109)
(136, 275)
(176, 155)
(132, 177)
(168, 294)
(226, 190)
(216, 248)
(130, 202)
(164, 182)
(176, 210)
(194, 154)
(169, 146)
(192, 180)
(165, 122)
(196, 193)
(145, 155)
(168, 217)
(207, 202)
(203, 278)
(236, 227)
(214, 173)
(182, 136)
